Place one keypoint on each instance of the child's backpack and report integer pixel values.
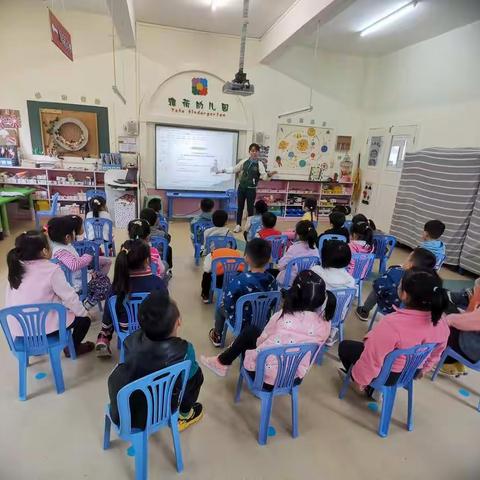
(98, 287)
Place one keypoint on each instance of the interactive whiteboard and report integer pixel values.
(187, 158)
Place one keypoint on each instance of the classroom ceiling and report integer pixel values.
(429, 19)
(198, 14)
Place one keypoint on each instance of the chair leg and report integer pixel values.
(319, 359)
(224, 336)
(410, 407)
(140, 443)
(239, 387)
(359, 298)
(122, 354)
(440, 364)
(37, 222)
(340, 332)
(22, 376)
(71, 346)
(295, 412)
(265, 411)
(387, 409)
(176, 443)
(57, 369)
(372, 321)
(106, 433)
(346, 383)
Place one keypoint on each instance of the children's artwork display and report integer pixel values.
(304, 152)
(374, 150)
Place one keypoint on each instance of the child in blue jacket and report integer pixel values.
(385, 288)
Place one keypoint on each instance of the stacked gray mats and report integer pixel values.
(470, 257)
(438, 183)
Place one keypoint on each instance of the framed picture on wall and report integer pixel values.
(374, 150)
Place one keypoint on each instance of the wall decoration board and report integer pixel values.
(75, 124)
(300, 148)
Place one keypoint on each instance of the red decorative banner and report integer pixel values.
(60, 36)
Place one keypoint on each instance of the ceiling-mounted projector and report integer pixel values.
(240, 85)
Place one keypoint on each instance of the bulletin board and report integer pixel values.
(304, 152)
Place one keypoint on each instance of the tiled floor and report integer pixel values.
(60, 437)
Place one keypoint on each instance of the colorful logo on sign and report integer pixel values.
(199, 86)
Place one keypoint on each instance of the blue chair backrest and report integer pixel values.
(95, 193)
(288, 358)
(54, 204)
(261, 306)
(344, 298)
(130, 304)
(158, 388)
(297, 265)
(161, 244)
(230, 266)
(383, 245)
(198, 231)
(348, 225)
(220, 241)
(163, 225)
(86, 246)
(232, 199)
(363, 264)
(440, 260)
(329, 236)
(97, 225)
(414, 358)
(68, 273)
(255, 226)
(161, 217)
(32, 320)
(279, 246)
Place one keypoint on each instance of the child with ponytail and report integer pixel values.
(305, 318)
(139, 229)
(98, 209)
(34, 279)
(361, 241)
(420, 321)
(132, 274)
(310, 209)
(305, 246)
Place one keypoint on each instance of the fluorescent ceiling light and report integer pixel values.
(392, 17)
(295, 112)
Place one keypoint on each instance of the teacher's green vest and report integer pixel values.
(250, 174)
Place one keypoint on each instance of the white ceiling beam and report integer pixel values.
(123, 16)
(303, 15)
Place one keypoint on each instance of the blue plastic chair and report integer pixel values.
(415, 358)
(279, 247)
(440, 260)
(297, 265)
(232, 205)
(449, 352)
(329, 236)
(348, 225)
(161, 244)
(231, 266)
(345, 297)
(163, 225)
(383, 248)
(362, 267)
(197, 239)
(255, 227)
(288, 358)
(158, 389)
(82, 293)
(98, 224)
(162, 217)
(51, 212)
(219, 241)
(262, 306)
(35, 341)
(92, 248)
(130, 305)
(95, 193)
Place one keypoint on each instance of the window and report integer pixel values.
(397, 151)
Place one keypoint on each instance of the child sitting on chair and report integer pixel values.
(206, 207)
(152, 348)
(385, 288)
(34, 279)
(420, 321)
(269, 220)
(337, 219)
(361, 241)
(305, 318)
(150, 216)
(132, 275)
(310, 209)
(432, 231)
(257, 256)
(97, 209)
(254, 223)
(219, 219)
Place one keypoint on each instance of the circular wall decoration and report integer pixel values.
(70, 134)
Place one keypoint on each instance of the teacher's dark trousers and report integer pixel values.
(249, 195)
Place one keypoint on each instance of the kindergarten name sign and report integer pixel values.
(60, 36)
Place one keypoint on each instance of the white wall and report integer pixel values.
(435, 84)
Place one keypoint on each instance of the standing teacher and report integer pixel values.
(251, 172)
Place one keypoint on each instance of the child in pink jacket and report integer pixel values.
(305, 318)
(305, 246)
(33, 279)
(361, 241)
(421, 321)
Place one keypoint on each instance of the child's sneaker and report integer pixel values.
(333, 338)
(237, 229)
(450, 369)
(213, 364)
(88, 304)
(461, 368)
(191, 418)
(215, 338)
(205, 300)
(102, 348)
(362, 314)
